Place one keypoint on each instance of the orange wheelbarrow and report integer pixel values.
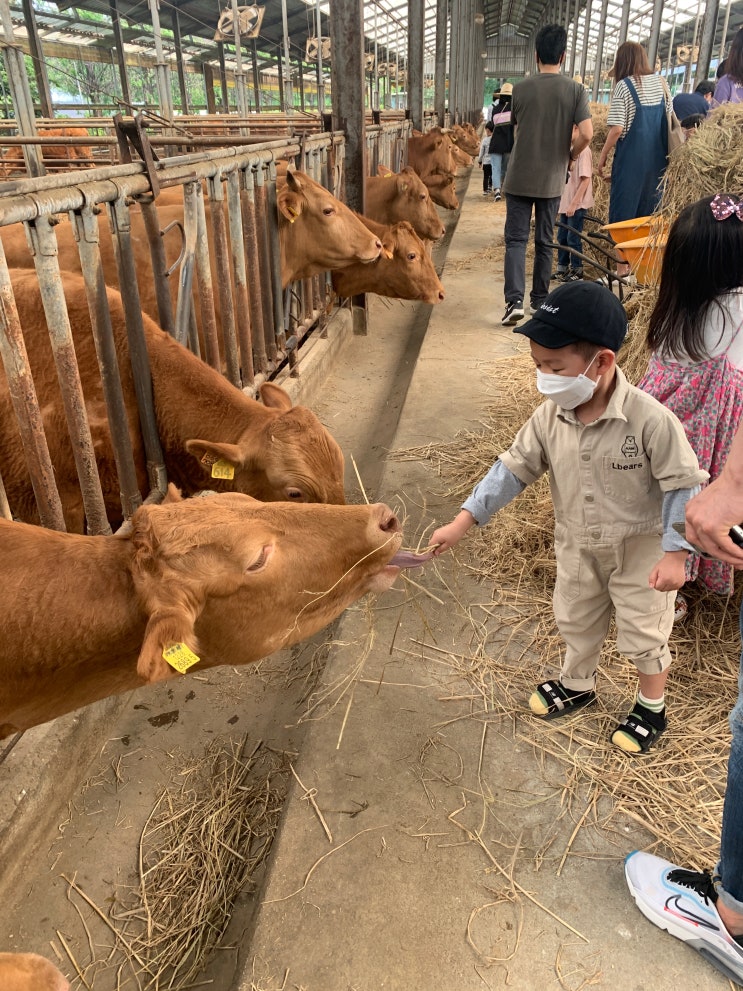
(641, 242)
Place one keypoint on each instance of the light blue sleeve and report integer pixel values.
(674, 509)
(494, 492)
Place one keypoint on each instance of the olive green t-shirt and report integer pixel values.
(545, 107)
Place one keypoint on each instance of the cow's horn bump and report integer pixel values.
(180, 657)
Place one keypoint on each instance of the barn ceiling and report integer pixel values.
(69, 22)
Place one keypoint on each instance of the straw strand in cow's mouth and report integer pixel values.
(402, 560)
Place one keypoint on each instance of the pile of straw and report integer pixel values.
(200, 847)
(710, 162)
(599, 113)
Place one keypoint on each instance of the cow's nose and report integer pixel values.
(378, 244)
(387, 521)
(441, 296)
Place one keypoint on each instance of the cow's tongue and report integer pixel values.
(407, 559)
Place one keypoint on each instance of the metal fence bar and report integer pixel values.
(260, 356)
(88, 233)
(274, 256)
(26, 406)
(119, 220)
(206, 287)
(263, 235)
(63, 350)
(159, 266)
(222, 272)
(186, 266)
(239, 274)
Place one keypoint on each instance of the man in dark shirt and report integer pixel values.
(545, 108)
(698, 102)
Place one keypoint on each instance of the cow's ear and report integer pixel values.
(291, 197)
(172, 495)
(275, 397)
(384, 171)
(209, 454)
(177, 568)
(172, 632)
(290, 204)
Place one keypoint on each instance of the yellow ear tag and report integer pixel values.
(223, 469)
(180, 657)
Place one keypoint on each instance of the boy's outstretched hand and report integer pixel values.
(669, 573)
(449, 536)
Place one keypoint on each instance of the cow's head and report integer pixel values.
(30, 972)
(412, 202)
(231, 579)
(291, 457)
(317, 232)
(405, 270)
(442, 191)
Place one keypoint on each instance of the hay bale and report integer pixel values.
(710, 162)
(599, 113)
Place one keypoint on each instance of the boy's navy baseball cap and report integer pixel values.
(578, 311)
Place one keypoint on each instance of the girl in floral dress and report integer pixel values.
(696, 336)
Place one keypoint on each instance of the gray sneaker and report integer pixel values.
(683, 903)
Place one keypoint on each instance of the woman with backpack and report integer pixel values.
(501, 142)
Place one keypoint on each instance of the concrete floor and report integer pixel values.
(444, 872)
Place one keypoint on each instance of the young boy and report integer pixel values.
(483, 159)
(621, 471)
(577, 197)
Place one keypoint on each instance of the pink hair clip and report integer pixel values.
(724, 205)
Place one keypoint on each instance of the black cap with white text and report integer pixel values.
(578, 311)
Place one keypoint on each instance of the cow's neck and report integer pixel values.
(287, 253)
(193, 402)
(84, 588)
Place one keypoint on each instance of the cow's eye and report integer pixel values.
(412, 256)
(423, 196)
(329, 211)
(292, 493)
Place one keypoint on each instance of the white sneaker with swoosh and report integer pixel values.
(683, 903)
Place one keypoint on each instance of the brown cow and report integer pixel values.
(392, 197)
(277, 451)
(442, 190)
(220, 580)
(30, 972)
(466, 140)
(77, 155)
(317, 233)
(328, 235)
(430, 153)
(403, 271)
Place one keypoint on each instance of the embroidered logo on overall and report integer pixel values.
(630, 449)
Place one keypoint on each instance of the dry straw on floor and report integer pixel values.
(675, 791)
(200, 848)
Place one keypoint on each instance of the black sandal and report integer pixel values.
(558, 700)
(639, 728)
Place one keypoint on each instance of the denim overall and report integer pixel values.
(640, 159)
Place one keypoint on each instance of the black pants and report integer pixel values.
(487, 177)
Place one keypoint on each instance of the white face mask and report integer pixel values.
(568, 391)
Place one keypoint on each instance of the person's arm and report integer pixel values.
(494, 492)
(612, 137)
(723, 90)
(670, 572)
(711, 514)
(585, 136)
